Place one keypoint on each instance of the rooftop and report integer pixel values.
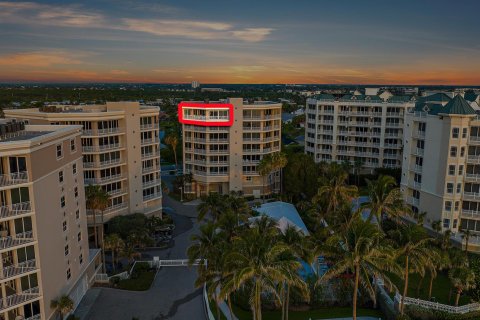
(458, 105)
(284, 213)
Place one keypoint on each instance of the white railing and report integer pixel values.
(147, 126)
(150, 169)
(152, 196)
(150, 141)
(472, 176)
(473, 158)
(438, 306)
(13, 178)
(22, 267)
(15, 209)
(471, 195)
(471, 214)
(101, 132)
(18, 298)
(101, 148)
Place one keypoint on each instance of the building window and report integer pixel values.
(449, 187)
(464, 135)
(448, 205)
(77, 214)
(76, 192)
(451, 170)
(455, 222)
(455, 132)
(66, 250)
(73, 147)
(62, 201)
(69, 274)
(74, 168)
(453, 151)
(457, 204)
(64, 225)
(459, 187)
(59, 151)
(460, 170)
(79, 236)
(248, 178)
(446, 223)
(80, 258)
(60, 176)
(462, 152)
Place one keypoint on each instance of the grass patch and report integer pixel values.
(140, 280)
(440, 289)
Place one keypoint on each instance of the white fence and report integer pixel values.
(438, 306)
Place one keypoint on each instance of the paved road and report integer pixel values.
(172, 295)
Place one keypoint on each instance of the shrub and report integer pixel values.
(114, 280)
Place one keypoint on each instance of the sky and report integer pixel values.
(232, 41)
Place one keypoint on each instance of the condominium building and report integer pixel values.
(224, 142)
(357, 128)
(43, 227)
(441, 163)
(120, 147)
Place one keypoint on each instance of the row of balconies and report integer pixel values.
(150, 183)
(152, 196)
(205, 129)
(102, 164)
(19, 239)
(150, 141)
(361, 113)
(148, 126)
(18, 269)
(105, 179)
(267, 128)
(206, 163)
(262, 117)
(14, 210)
(105, 147)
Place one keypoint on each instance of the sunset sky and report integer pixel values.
(262, 41)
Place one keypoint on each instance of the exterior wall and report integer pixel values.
(345, 130)
(254, 132)
(129, 197)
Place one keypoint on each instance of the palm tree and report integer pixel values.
(264, 168)
(278, 162)
(462, 278)
(358, 249)
(172, 141)
(334, 191)
(212, 203)
(357, 166)
(114, 243)
(466, 235)
(98, 199)
(238, 205)
(413, 248)
(260, 260)
(207, 247)
(434, 265)
(384, 199)
(62, 305)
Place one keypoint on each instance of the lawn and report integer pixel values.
(440, 290)
(141, 279)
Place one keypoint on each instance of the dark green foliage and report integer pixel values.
(301, 176)
(419, 313)
(474, 260)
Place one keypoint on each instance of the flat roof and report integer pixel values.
(284, 213)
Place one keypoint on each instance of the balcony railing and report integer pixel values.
(472, 177)
(471, 195)
(101, 132)
(15, 209)
(13, 178)
(148, 126)
(150, 169)
(101, 148)
(19, 298)
(150, 141)
(103, 179)
(19, 239)
(152, 196)
(153, 154)
(150, 183)
(17, 269)
(473, 158)
(471, 214)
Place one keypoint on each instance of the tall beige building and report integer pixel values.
(224, 142)
(120, 148)
(43, 227)
(441, 164)
(357, 128)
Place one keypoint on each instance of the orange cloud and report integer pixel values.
(38, 59)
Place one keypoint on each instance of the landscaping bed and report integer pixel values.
(140, 279)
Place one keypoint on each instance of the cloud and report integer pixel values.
(252, 34)
(38, 59)
(75, 17)
(119, 72)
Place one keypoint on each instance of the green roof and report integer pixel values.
(437, 97)
(324, 96)
(457, 105)
(471, 96)
(400, 98)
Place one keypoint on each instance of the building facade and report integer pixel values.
(366, 129)
(223, 144)
(441, 167)
(120, 148)
(43, 225)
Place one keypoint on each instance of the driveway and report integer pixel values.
(172, 295)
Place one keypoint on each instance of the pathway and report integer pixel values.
(172, 295)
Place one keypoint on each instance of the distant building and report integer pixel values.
(213, 90)
(356, 127)
(223, 142)
(195, 84)
(43, 223)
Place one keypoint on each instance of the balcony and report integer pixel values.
(19, 298)
(419, 134)
(108, 163)
(419, 152)
(474, 140)
(416, 168)
(150, 169)
(105, 179)
(15, 209)
(154, 182)
(18, 269)
(152, 196)
(19, 239)
(472, 158)
(148, 126)
(154, 154)
(150, 141)
(252, 128)
(472, 177)
(471, 195)
(117, 192)
(102, 132)
(13, 178)
(414, 201)
(105, 147)
(393, 124)
(471, 214)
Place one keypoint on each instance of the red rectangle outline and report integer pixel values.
(203, 105)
